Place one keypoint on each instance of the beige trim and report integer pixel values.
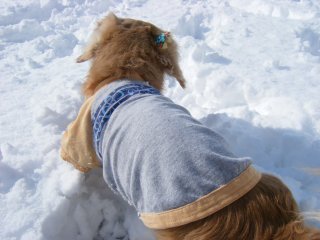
(206, 205)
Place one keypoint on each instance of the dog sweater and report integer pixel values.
(169, 166)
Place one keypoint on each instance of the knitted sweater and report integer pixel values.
(168, 165)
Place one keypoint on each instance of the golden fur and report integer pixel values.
(125, 48)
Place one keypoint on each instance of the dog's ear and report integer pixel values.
(98, 36)
(168, 58)
(177, 73)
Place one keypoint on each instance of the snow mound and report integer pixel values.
(252, 70)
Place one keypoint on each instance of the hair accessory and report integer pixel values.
(161, 39)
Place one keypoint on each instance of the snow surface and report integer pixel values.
(253, 72)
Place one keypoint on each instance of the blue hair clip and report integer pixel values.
(160, 40)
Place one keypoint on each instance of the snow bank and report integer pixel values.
(253, 76)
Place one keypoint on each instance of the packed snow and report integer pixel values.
(253, 73)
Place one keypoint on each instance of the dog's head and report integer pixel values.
(133, 49)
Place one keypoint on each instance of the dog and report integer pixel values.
(178, 174)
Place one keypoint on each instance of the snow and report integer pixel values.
(252, 68)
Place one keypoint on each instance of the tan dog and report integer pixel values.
(126, 48)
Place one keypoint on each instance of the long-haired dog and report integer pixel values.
(183, 183)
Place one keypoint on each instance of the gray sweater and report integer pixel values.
(155, 154)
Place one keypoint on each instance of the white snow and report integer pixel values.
(253, 72)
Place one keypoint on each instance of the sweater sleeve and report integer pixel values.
(77, 142)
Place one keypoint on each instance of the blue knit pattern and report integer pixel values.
(108, 106)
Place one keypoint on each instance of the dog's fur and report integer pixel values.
(126, 48)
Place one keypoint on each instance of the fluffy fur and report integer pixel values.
(125, 48)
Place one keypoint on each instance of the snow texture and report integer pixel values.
(252, 68)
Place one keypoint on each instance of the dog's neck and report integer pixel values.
(133, 76)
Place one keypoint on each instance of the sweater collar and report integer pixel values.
(110, 103)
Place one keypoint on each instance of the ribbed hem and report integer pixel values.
(206, 205)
